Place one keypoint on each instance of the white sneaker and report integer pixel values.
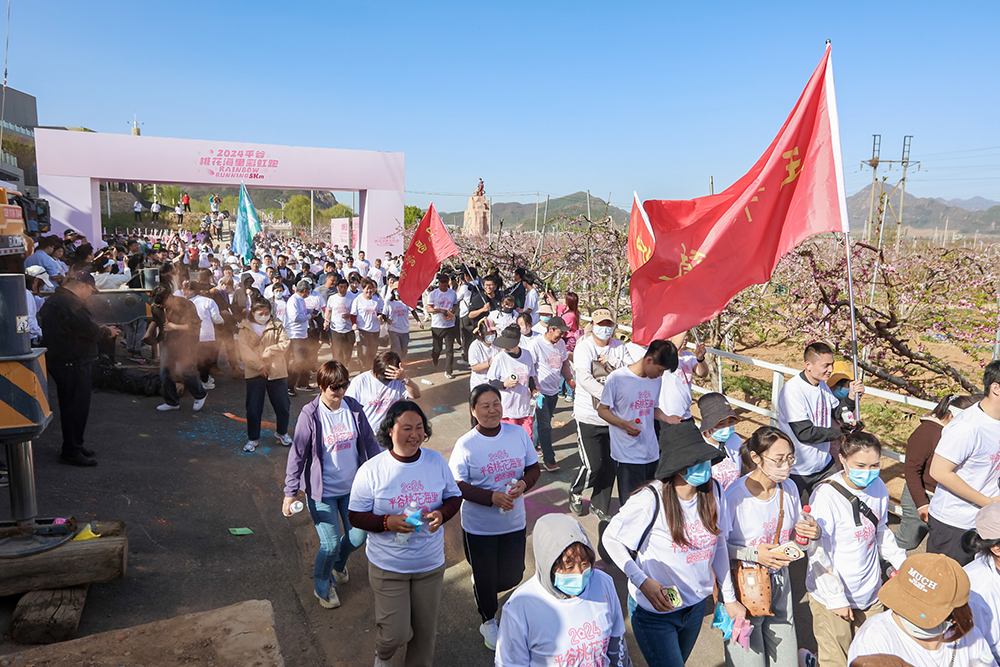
(251, 445)
(209, 384)
(332, 600)
(341, 577)
(167, 406)
(284, 439)
(489, 631)
(199, 403)
(379, 662)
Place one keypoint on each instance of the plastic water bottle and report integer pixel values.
(804, 516)
(807, 658)
(412, 513)
(296, 506)
(507, 487)
(985, 659)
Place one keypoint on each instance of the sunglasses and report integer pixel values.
(339, 387)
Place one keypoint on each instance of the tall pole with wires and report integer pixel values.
(3, 96)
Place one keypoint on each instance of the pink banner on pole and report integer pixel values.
(340, 234)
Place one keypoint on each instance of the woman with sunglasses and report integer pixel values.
(844, 572)
(763, 509)
(332, 440)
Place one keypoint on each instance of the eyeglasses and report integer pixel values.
(339, 387)
(782, 462)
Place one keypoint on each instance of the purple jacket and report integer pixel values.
(305, 458)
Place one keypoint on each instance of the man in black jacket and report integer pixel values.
(71, 336)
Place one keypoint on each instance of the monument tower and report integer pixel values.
(477, 213)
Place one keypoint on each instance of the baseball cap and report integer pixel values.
(559, 323)
(40, 272)
(714, 409)
(988, 522)
(82, 277)
(598, 315)
(842, 370)
(156, 247)
(926, 589)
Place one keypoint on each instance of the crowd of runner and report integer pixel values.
(705, 520)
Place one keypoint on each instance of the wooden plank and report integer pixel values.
(46, 617)
(70, 564)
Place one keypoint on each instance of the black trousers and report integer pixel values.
(631, 476)
(444, 337)
(341, 346)
(468, 334)
(277, 392)
(497, 565)
(73, 389)
(208, 356)
(597, 469)
(298, 362)
(807, 483)
(947, 540)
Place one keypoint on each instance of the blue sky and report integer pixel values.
(554, 97)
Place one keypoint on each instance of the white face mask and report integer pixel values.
(261, 319)
(917, 632)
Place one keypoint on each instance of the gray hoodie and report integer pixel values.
(552, 534)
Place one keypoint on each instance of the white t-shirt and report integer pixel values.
(259, 278)
(531, 301)
(384, 485)
(984, 599)
(443, 301)
(378, 275)
(463, 295)
(752, 521)
(675, 388)
(363, 265)
(549, 359)
(399, 313)
(800, 401)
(852, 549)
(632, 398)
(728, 470)
(516, 399)
(208, 311)
(687, 567)
(480, 353)
(374, 396)
(583, 357)
(491, 463)
(340, 453)
(539, 630)
(501, 320)
(972, 440)
(336, 307)
(881, 634)
(367, 311)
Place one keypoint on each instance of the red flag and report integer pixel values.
(640, 236)
(429, 246)
(710, 248)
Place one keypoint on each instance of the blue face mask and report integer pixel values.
(841, 392)
(604, 333)
(723, 434)
(697, 475)
(573, 584)
(545, 318)
(863, 477)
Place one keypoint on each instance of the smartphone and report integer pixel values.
(673, 595)
(790, 549)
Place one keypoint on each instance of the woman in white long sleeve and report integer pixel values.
(984, 574)
(675, 525)
(763, 507)
(844, 574)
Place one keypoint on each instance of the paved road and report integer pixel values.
(180, 480)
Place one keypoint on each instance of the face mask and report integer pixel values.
(573, 584)
(489, 338)
(545, 318)
(862, 477)
(841, 392)
(507, 310)
(525, 331)
(778, 475)
(604, 333)
(698, 474)
(261, 319)
(917, 632)
(723, 434)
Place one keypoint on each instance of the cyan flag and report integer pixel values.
(247, 225)
(246, 207)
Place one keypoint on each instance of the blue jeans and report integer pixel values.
(666, 640)
(542, 433)
(334, 546)
(565, 389)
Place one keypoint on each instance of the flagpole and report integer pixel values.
(850, 296)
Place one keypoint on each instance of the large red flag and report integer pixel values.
(710, 248)
(640, 236)
(429, 246)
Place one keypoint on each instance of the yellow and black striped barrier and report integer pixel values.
(24, 402)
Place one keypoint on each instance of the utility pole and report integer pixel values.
(536, 210)
(873, 163)
(545, 216)
(902, 184)
(588, 206)
(944, 237)
(711, 185)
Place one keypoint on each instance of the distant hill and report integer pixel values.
(262, 197)
(522, 216)
(927, 213)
